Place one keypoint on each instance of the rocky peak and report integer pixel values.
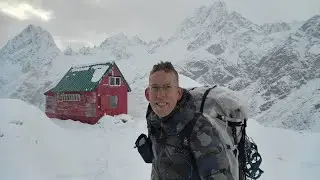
(32, 38)
(270, 28)
(312, 26)
(204, 16)
(116, 39)
(69, 51)
(213, 19)
(136, 40)
(207, 14)
(31, 30)
(154, 44)
(159, 40)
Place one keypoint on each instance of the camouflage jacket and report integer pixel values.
(170, 163)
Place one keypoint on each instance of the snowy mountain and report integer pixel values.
(30, 44)
(270, 63)
(219, 46)
(25, 64)
(152, 46)
(123, 47)
(69, 51)
(300, 110)
(267, 62)
(289, 67)
(117, 47)
(270, 28)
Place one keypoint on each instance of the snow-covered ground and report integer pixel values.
(34, 147)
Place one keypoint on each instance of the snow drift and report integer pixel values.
(35, 147)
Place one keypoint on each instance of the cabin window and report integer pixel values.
(115, 81)
(69, 97)
(113, 101)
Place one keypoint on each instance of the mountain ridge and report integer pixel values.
(268, 62)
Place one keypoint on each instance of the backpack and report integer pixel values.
(226, 111)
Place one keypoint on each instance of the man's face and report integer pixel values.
(163, 92)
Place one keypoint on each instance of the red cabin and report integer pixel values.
(88, 92)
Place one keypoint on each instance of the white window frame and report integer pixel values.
(69, 97)
(115, 80)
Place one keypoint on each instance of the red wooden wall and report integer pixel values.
(105, 90)
(83, 110)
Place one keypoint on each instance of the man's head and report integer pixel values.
(163, 92)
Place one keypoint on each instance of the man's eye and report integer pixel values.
(154, 88)
(166, 88)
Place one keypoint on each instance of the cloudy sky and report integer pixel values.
(89, 22)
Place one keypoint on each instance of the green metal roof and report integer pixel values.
(82, 78)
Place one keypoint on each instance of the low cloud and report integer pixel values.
(24, 11)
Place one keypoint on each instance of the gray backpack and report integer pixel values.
(229, 114)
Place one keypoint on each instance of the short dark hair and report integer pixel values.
(167, 67)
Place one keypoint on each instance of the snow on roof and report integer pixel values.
(105, 63)
(99, 69)
(79, 69)
(99, 72)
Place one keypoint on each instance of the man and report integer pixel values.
(170, 110)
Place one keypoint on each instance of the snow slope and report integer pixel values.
(299, 111)
(34, 147)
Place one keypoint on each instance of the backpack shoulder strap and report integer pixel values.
(185, 135)
(205, 96)
(186, 132)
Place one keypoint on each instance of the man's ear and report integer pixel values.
(179, 93)
(146, 93)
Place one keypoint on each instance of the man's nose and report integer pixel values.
(161, 92)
